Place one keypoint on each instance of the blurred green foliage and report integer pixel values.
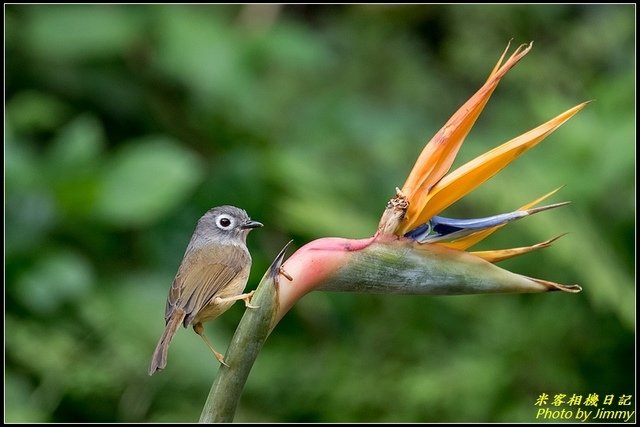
(124, 124)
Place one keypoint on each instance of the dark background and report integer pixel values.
(124, 124)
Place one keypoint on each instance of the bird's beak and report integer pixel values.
(251, 224)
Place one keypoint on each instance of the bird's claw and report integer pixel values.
(247, 300)
(220, 359)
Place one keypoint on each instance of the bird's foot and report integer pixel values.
(247, 300)
(220, 358)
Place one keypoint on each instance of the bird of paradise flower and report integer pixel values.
(428, 191)
(414, 250)
(410, 219)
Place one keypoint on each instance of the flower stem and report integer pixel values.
(246, 343)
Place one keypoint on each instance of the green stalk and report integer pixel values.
(252, 332)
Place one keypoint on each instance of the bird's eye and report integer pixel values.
(224, 222)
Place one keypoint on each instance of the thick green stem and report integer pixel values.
(246, 343)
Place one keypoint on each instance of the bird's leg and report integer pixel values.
(199, 329)
(244, 297)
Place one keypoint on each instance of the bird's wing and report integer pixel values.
(204, 272)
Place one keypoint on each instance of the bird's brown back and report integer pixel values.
(207, 272)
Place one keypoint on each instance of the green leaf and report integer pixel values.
(31, 110)
(56, 278)
(72, 33)
(197, 49)
(146, 180)
(20, 407)
(79, 142)
(72, 165)
(29, 208)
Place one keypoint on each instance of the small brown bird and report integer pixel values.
(212, 276)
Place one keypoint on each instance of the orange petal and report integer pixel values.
(438, 155)
(499, 63)
(470, 175)
(502, 254)
(470, 240)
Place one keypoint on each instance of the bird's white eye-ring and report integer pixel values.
(225, 222)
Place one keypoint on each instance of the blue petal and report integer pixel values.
(440, 228)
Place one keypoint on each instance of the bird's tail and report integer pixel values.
(159, 360)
